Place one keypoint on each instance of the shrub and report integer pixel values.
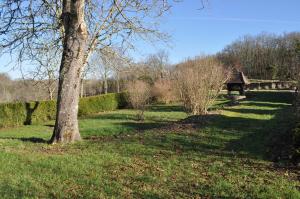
(199, 82)
(16, 114)
(138, 96)
(96, 104)
(38, 112)
(12, 114)
(163, 91)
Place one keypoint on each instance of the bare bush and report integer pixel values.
(163, 91)
(5, 85)
(199, 82)
(21, 90)
(138, 96)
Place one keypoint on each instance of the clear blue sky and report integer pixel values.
(196, 31)
(208, 30)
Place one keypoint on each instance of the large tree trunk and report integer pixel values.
(66, 125)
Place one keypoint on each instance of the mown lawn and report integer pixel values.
(223, 155)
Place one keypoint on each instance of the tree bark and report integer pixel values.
(66, 124)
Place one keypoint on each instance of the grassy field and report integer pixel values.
(222, 155)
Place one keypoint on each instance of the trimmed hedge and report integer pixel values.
(26, 113)
(96, 104)
(13, 114)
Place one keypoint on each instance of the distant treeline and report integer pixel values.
(261, 57)
(26, 90)
(265, 56)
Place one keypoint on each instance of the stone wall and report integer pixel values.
(278, 85)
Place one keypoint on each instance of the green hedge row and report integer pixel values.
(96, 104)
(16, 114)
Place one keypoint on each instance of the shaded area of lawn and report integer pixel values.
(251, 127)
(224, 155)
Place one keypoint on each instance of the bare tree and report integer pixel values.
(101, 63)
(91, 70)
(46, 71)
(78, 27)
(264, 56)
(158, 62)
(119, 64)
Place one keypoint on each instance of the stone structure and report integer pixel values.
(237, 82)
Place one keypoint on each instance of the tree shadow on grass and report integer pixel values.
(186, 136)
(113, 116)
(50, 125)
(34, 140)
(228, 136)
(253, 111)
(265, 104)
(273, 97)
(144, 126)
(213, 134)
(165, 108)
(29, 112)
(131, 120)
(27, 139)
(218, 134)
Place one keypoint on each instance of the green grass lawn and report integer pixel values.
(222, 155)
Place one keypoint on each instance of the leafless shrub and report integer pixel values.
(138, 96)
(5, 84)
(163, 91)
(199, 82)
